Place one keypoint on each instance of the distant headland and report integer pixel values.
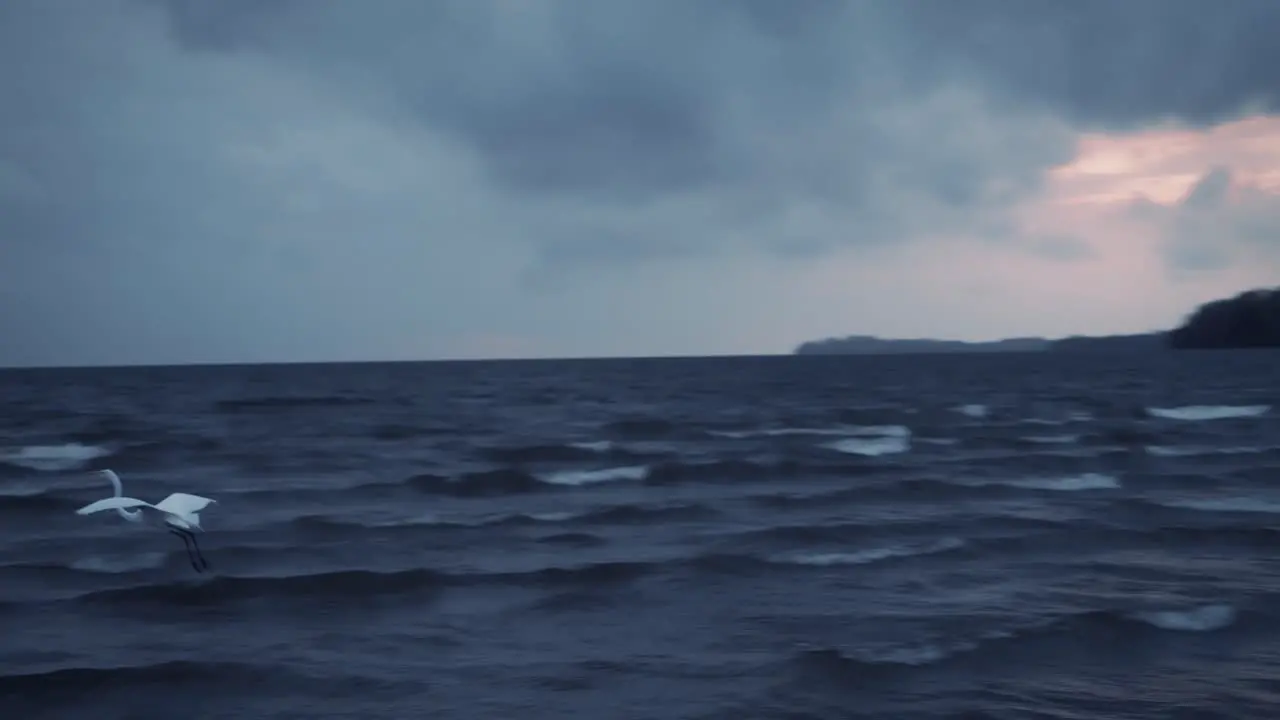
(1248, 320)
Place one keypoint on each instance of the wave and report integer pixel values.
(285, 402)
(815, 533)
(618, 571)
(753, 470)
(641, 428)
(489, 483)
(323, 525)
(900, 431)
(1037, 445)
(593, 476)
(219, 590)
(117, 564)
(37, 502)
(1207, 618)
(107, 428)
(1014, 437)
(636, 514)
(574, 539)
(53, 458)
(1064, 439)
(1073, 483)
(392, 431)
(45, 693)
(935, 489)
(1005, 647)
(122, 564)
(513, 481)
(37, 688)
(714, 470)
(1066, 419)
(1192, 535)
(999, 526)
(1200, 413)
(549, 452)
(1205, 451)
(870, 555)
(119, 454)
(869, 441)
(870, 447)
(1222, 505)
(1060, 459)
(1122, 436)
(1232, 516)
(324, 587)
(606, 515)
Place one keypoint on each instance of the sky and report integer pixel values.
(332, 180)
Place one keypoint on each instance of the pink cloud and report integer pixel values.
(1163, 165)
(1199, 208)
(1098, 252)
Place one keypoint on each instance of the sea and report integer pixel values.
(1021, 536)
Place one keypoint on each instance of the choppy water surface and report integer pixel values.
(980, 537)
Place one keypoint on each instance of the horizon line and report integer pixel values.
(514, 359)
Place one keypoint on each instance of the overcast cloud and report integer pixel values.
(258, 180)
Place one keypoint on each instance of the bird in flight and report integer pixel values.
(179, 514)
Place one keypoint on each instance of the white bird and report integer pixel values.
(179, 514)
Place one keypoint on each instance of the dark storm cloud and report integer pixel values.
(1108, 63)
(627, 97)
(601, 99)
(620, 102)
(321, 176)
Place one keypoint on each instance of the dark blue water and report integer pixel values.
(1028, 536)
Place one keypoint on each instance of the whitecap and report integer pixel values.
(870, 447)
(894, 431)
(974, 410)
(600, 475)
(1073, 483)
(837, 430)
(1208, 412)
(120, 563)
(1072, 417)
(1052, 439)
(598, 446)
(1202, 619)
(1229, 504)
(921, 654)
(1192, 450)
(54, 458)
(870, 555)
(778, 432)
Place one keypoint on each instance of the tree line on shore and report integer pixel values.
(1250, 319)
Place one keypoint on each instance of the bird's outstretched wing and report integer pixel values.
(183, 504)
(113, 503)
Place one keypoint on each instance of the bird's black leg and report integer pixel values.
(190, 556)
(196, 546)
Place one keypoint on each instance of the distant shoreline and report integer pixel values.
(1250, 319)
(871, 345)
